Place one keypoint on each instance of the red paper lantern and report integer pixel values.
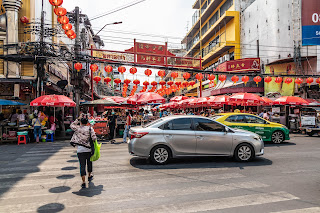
(161, 73)
(288, 80)
(122, 69)
(178, 83)
(126, 81)
(146, 83)
(117, 81)
(186, 76)
(67, 26)
(212, 77)
(147, 72)
(136, 82)
(94, 67)
(318, 81)
(108, 69)
(234, 79)
(63, 19)
(24, 20)
(154, 83)
(267, 79)
(107, 80)
(170, 83)
(78, 66)
(162, 83)
(298, 81)
(199, 76)
(97, 79)
(278, 80)
(257, 79)
(133, 70)
(60, 11)
(56, 2)
(73, 36)
(309, 80)
(185, 84)
(192, 83)
(69, 32)
(222, 78)
(245, 79)
(174, 75)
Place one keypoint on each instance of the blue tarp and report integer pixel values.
(9, 103)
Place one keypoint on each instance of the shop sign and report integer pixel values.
(56, 72)
(114, 56)
(241, 65)
(310, 18)
(308, 121)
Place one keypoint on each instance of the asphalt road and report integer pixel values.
(45, 178)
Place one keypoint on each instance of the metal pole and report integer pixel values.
(76, 48)
(92, 98)
(40, 64)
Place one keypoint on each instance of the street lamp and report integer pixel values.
(119, 22)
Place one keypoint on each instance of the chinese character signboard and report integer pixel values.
(113, 56)
(241, 65)
(310, 18)
(152, 54)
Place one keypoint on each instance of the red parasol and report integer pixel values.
(179, 98)
(313, 102)
(145, 98)
(246, 99)
(267, 101)
(219, 100)
(53, 100)
(185, 102)
(290, 100)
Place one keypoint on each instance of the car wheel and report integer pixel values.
(160, 155)
(244, 153)
(277, 137)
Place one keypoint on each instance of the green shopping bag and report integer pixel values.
(96, 154)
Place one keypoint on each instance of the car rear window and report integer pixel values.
(152, 123)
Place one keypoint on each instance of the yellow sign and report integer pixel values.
(2, 10)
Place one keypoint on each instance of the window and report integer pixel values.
(236, 119)
(178, 124)
(201, 124)
(213, 19)
(254, 120)
(225, 7)
(204, 29)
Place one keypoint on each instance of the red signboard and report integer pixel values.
(310, 19)
(241, 65)
(151, 48)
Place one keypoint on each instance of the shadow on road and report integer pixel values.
(270, 144)
(199, 162)
(51, 207)
(91, 191)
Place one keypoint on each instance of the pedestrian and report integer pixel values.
(81, 139)
(266, 115)
(127, 127)
(21, 118)
(261, 113)
(36, 123)
(112, 125)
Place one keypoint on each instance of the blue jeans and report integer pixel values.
(126, 133)
(37, 131)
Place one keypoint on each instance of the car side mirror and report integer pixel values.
(226, 129)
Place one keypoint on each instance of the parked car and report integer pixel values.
(180, 136)
(269, 131)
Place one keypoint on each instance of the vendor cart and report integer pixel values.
(310, 124)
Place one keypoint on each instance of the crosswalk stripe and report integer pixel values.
(306, 210)
(217, 204)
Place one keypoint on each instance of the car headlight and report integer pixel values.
(256, 137)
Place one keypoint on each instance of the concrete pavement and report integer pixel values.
(45, 178)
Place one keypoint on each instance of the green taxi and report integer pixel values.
(269, 131)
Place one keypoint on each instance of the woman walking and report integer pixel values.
(81, 139)
(36, 127)
(127, 127)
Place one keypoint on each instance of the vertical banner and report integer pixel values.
(310, 18)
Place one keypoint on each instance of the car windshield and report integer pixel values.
(152, 123)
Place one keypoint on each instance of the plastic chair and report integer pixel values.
(22, 139)
(50, 137)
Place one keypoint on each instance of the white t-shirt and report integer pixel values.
(82, 149)
(21, 117)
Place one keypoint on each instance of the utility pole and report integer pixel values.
(77, 51)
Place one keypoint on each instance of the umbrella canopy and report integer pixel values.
(313, 102)
(145, 98)
(104, 101)
(246, 99)
(117, 99)
(53, 100)
(10, 103)
(290, 100)
(219, 100)
(268, 102)
(178, 98)
(185, 102)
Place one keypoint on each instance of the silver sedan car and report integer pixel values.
(184, 135)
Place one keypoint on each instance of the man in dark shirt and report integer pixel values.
(112, 125)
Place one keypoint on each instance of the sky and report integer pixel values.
(166, 20)
(162, 20)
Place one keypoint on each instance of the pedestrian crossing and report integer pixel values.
(45, 178)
